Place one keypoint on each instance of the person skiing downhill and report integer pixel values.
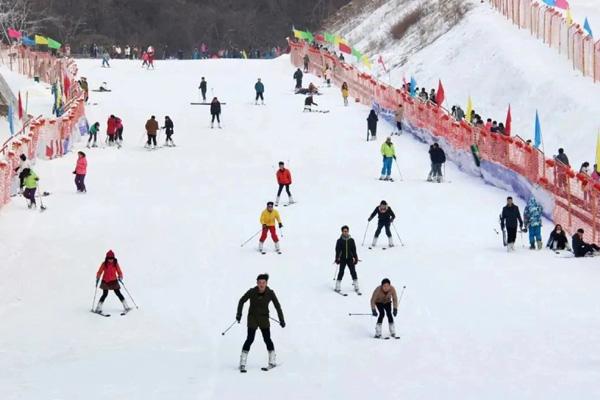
(384, 296)
(346, 255)
(202, 88)
(533, 222)
(298, 77)
(168, 127)
(80, 172)
(385, 217)
(215, 112)
(284, 179)
(151, 129)
(268, 218)
(509, 218)
(389, 155)
(93, 135)
(260, 89)
(30, 183)
(372, 124)
(258, 318)
(111, 274)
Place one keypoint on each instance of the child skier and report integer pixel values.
(215, 112)
(381, 300)
(202, 88)
(111, 274)
(345, 93)
(308, 102)
(30, 182)
(268, 218)
(260, 89)
(258, 317)
(93, 134)
(168, 127)
(118, 131)
(345, 255)
(111, 129)
(389, 155)
(284, 179)
(80, 171)
(385, 217)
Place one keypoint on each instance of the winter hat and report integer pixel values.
(262, 276)
(110, 254)
(384, 281)
(23, 157)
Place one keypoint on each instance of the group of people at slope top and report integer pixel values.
(510, 219)
(152, 132)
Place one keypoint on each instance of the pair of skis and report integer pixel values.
(108, 315)
(267, 368)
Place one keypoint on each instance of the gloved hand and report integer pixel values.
(238, 318)
(280, 225)
(97, 281)
(395, 312)
(394, 157)
(74, 172)
(264, 226)
(120, 279)
(374, 312)
(282, 323)
(524, 230)
(337, 260)
(369, 219)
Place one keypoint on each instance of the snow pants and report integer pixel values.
(266, 230)
(93, 136)
(79, 182)
(298, 83)
(399, 126)
(213, 118)
(385, 309)
(266, 334)
(287, 190)
(105, 294)
(350, 264)
(259, 95)
(436, 169)
(151, 139)
(203, 94)
(381, 225)
(29, 194)
(119, 134)
(387, 166)
(511, 232)
(535, 233)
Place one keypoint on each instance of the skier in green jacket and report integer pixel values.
(389, 154)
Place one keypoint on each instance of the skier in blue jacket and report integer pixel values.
(260, 89)
(533, 222)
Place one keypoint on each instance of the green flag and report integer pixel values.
(309, 36)
(356, 53)
(53, 44)
(329, 37)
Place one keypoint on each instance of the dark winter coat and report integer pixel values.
(345, 249)
(169, 125)
(385, 217)
(580, 248)
(560, 239)
(309, 101)
(372, 120)
(437, 155)
(215, 108)
(298, 75)
(563, 159)
(203, 86)
(259, 87)
(511, 217)
(258, 314)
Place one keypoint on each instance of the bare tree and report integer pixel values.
(20, 15)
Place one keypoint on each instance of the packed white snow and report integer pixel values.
(475, 322)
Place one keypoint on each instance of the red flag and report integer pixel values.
(67, 87)
(380, 61)
(13, 33)
(319, 38)
(345, 48)
(508, 123)
(20, 107)
(440, 96)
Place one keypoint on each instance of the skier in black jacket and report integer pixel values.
(558, 239)
(438, 157)
(298, 77)
(215, 112)
(510, 218)
(581, 248)
(202, 88)
(385, 217)
(168, 127)
(372, 124)
(345, 255)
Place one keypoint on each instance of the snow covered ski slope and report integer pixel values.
(475, 322)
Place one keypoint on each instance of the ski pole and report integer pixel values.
(42, 206)
(353, 314)
(398, 168)
(401, 294)
(228, 328)
(399, 239)
(251, 237)
(273, 319)
(95, 293)
(365, 235)
(129, 294)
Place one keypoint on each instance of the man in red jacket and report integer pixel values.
(284, 179)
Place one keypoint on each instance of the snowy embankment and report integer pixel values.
(486, 57)
(475, 322)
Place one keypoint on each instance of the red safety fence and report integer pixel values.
(552, 28)
(41, 137)
(576, 196)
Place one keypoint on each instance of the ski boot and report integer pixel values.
(356, 288)
(260, 247)
(98, 309)
(126, 307)
(243, 360)
(277, 249)
(290, 201)
(338, 286)
(392, 330)
(539, 244)
(272, 359)
(374, 244)
(277, 201)
(378, 331)
(212, 125)
(390, 242)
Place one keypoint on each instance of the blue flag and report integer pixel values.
(538, 132)
(11, 124)
(413, 87)
(586, 27)
(550, 3)
(27, 41)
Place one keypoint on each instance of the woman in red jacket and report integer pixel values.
(111, 274)
(111, 129)
(284, 179)
(80, 171)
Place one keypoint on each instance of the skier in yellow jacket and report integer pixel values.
(268, 218)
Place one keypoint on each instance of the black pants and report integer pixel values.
(259, 95)
(266, 334)
(436, 169)
(382, 224)
(29, 194)
(399, 125)
(511, 233)
(105, 293)
(79, 182)
(111, 138)
(151, 140)
(298, 83)
(93, 136)
(350, 264)
(169, 133)
(373, 130)
(203, 94)
(287, 190)
(588, 248)
(384, 309)
(119, 135)
(217, 117)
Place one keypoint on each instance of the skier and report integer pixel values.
(150, 54)
(118, 131)
(111, 274)
(258, 318)
(80, 171)
(104, 87)
(30, 183)
(168, 127)
(438, 157)
(151, 129)
(389, 155)
(105, 58)
(384, 296)
(533, 222)
(372, 124)
(327, 76)
(284, 179)
(111, 129)
(345, 93)
(144, 59)
(509, 218)
(268, 218)
(558, 239)
(298, 77)
(306, 60)
(308, 102)
(581, 248)
(260, 89)
(202, 88)
(346, 255)
(398, 115)
(83, 83)
(215, 112)
(24, 164)
(93, 134)
(385, 217)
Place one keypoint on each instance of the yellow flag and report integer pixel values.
(298, 34)
(598, 154)
(469, 109)
(40, 40)
(367, 62)
(338, 39)
(569, 17)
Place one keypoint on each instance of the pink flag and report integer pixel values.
(380, 61)
(508, 124)
(564, 4)
(20, 111)
(13, 33)
(440, 95)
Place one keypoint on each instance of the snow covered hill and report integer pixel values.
(486, 57)
(475, 322)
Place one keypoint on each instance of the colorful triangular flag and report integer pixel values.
(508, 123)
(537, 141)
(586, 27)
(440, 95)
